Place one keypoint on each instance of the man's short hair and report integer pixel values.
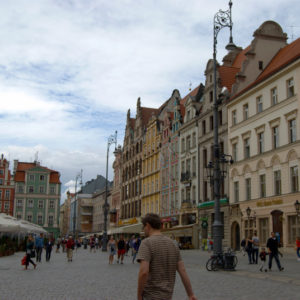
(153, 220)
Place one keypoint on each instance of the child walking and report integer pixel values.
(262, 256)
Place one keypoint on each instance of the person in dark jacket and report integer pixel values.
(249, 249)
(49, 246)
(272, 245)
(29, 250)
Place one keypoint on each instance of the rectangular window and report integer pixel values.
(246, 148)
(234, 152)
(275, 131)
(203, 127)
(19, 216)
(188, 143)
(262, 185)
(1, 181)
(294, 229)
(274, 96)
(42, 189)
(205, 157)
(52, 190)
(277, 182)
(20, 189)
(211, 123)
(30, 203)
(29, 218)
(248, 188)
(246, 111)
(31, 177)
(234, 119)
(30, 189)
(50, 220)
(220, 117)
(211, 98)
(0, 194)
(290, 87)
(261, 143)
(294, 179)
(51, 204)
(259, 104)
(41, 203)
(40, 220)
(182, 145)
(236, 191)
(194, 140)
(292, 129)
(6, 205)
(19, 203)
(42, 177)
(1, 172)
(7, 194)
(194, 166)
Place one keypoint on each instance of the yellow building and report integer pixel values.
(151, 168)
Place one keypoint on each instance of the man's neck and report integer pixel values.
(154, 232)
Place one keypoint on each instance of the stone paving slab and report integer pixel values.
(90, 277)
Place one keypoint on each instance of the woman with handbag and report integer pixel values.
(30, 253)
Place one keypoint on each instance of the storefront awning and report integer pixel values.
(212, 203)
(178, 231)
(134, 228)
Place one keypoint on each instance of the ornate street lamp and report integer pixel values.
(248, 212)
(222, 19)
(111, 140)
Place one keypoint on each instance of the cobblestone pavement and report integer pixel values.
(90, 277)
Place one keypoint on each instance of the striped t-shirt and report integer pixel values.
(163, 256)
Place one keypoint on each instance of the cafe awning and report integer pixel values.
(212, 203)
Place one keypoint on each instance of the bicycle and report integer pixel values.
(219, 261)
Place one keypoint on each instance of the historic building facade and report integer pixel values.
(131, 194)
(151, 167)
(37, 195)
(7, 188)
(264, 138)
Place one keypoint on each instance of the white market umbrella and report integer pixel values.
(8, 224)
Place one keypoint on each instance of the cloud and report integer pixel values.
(70, 70)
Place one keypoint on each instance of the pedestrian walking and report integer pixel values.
(49, 246)
(63, 244)
(121, 249)
(30, 253)
(96, 242)
(39, 245)
(136, 246)
(112, 249)
(255, 248)
(70, 247)
(249, 249)
(92, 244)
(272, 245)
(159, 259)
(298, 247)
(243, 246)
(58, 242)
(263, 258)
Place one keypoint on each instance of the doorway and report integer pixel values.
(235, 236)
(277, 225)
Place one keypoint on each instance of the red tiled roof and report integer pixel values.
(24, 166)
(240, 58)
(193, 93)
(147, 113)
(227, 76)
(284, 57)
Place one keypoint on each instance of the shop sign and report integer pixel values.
(128, 222)
(269, 202)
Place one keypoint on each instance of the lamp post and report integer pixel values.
(79, 175)
(112, 139)
(221, 19)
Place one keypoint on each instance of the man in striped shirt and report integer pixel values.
(159, 260)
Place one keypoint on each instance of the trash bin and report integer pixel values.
(229, 263)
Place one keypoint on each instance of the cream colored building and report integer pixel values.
(263, 136)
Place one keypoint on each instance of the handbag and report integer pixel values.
(23, 261)
(32, 254)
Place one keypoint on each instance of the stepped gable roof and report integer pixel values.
(24, 166)
(227, 76)
(147, 113)
(227, 73)
(284, 57)
(193, 93)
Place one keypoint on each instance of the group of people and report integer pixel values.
(252, 244)
(35, 246)
(122, 247)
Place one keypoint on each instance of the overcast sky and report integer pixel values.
(70, 69)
